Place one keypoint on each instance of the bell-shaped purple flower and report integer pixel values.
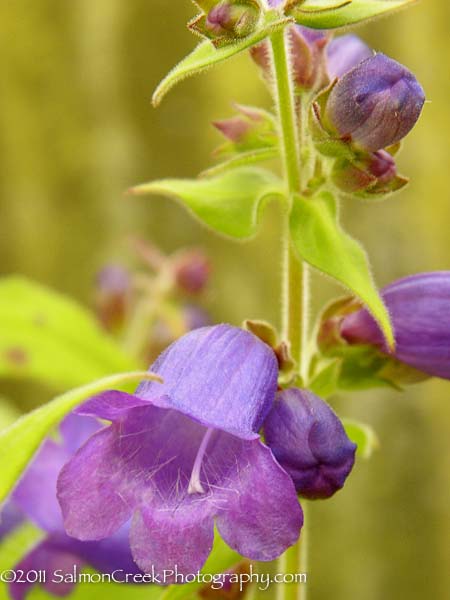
(309, 442)
(345, 52)
(419, 307)
(375, 104)
(35, 497)
(183, 455)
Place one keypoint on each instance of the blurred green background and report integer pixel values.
(77, 129)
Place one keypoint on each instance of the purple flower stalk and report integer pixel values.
(419, 306)
(310, 443)
(375, 104)
(184, 455)
(35, 496)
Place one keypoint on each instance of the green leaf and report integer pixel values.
(363, 436)
(19, 442)
(206, 55)
(322, 15)
(243, 159)
(229, 203)
(320, 241)
(51, 338)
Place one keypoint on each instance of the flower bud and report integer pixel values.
(310, 443)
(370, 175)
(344, 53)
(113, 287)
(227, 20)
(307, 54)
(419, 307)
(375, 104)
(192, 270)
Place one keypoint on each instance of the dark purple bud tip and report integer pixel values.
(420, 313)
(310, 443)
(376, 103)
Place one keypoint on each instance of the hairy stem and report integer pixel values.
(295, 293)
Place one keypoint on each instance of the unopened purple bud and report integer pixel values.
(344, 53)
(192, 271)
(420, 313)
(310, 443)
(375, 104)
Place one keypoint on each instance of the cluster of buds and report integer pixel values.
(225, 21)
(360, 120)
(170, 286)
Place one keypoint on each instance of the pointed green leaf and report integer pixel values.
(363, 436)
(19, 442)
(51, 338)
(206, 55)
(241, 160)
(320, 241)
(321, 14)
(229, 203)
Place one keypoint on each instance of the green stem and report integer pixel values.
(295, 276)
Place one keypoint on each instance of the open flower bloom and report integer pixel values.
(35, 496)
(10, 518)
(419, 307)
(309, 441)
(183, 455)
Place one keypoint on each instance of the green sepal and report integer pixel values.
(320, 240)
(229, 203)
(205, 55)
(243, 159)
(323, 14)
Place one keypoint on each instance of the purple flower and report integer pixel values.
(192, 271)
(35, 496)
(309, 442)
(345, 52)
(10, 518)
(419, 306)
(375, 104)
(183, 455)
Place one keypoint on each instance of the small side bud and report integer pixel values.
(368, 176)
(192, 271)
(227, 20)
(375, 104)
(112, 295)
(251, 129)
(310, 443)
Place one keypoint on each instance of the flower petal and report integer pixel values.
(92, 488)
(222, 376)
(48, 558)
(167, 539)
(75, 430)
(110, 405)
(35, 493)
(262, 516)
